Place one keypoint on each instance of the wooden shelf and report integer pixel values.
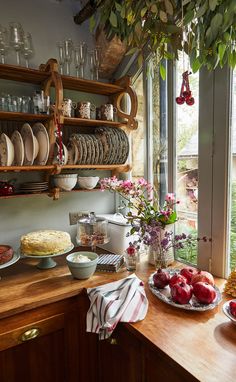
(14, 116)
(47, 193)
(22, 74)
(91, 122)
(111, 167)
(88, 86)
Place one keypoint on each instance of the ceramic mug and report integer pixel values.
(107, 112)
(67, 106)
(84, 109)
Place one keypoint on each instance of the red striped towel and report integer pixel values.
(124, 300)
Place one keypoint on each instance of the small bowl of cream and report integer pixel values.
(82, 264)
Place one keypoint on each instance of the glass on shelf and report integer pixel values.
(16, 38)
(96, 62)
(68, 51)
(80, 57)
(61, 56)
(27, 48)
(4, 43)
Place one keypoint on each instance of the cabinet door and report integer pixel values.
(160, 368)
(120, 358)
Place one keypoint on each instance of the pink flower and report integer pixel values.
(142, 182)
(170, 197)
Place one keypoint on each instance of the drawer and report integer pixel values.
(31, 331)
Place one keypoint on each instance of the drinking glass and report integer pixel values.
(80, 58)
(68, 50)
(91, 64)
(27, 48)
(96, 62)
(61, 55)
(4, 43)
(16, 38)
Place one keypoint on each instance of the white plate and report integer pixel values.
(72, 152)
(6, 150)
(164, 295)
(29, 144)
(14, 259)
(18, 144)
(41, 135)
(226, 311)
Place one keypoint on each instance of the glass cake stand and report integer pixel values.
(15, 258)
(46, 261)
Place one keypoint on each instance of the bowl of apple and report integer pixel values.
(187, 288)
(229, 309)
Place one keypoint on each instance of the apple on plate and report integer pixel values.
(232, 308)
(177, 278)
(203, 276)
(161, 278)
(188, 273)
(204, 292)
(181, 292)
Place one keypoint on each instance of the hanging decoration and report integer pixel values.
(185, 92)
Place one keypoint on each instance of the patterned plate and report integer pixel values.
(105, 147)
(89, 148)
(84, 149)
(18, 144)
(93, 150)
(164, 295)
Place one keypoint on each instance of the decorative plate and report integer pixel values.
(88, 147)
(29, 144)
(41, 135)
(93, 150)
(72, 152)
(164, 295)
(14, 259)
(226, 311)
(6, 151)
(18, 144)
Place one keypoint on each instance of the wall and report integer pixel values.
(49, 22)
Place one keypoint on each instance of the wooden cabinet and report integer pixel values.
(48, 344)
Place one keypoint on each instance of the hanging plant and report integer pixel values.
(204, 29)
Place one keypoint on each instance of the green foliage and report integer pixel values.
(207, 32)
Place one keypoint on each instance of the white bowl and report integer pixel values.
(226, 311)
(65, 182)
(88, 182)
(82, 270)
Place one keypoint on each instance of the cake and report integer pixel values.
(6, 253)
(45, 242)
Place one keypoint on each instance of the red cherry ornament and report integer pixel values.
(185, 92)
(180, 100)
(190, 101)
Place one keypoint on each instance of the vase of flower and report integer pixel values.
(159, 256)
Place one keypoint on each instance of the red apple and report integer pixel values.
(204, 292)
(181, 292)
(161, 278)
(232, 308)
(204, 277)
(177, 278)
(188, 273)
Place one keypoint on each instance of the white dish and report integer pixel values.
(14, 259)
(73, 153)
(41, 135)
(6, 151)
(88, 182)
(18, 144)
(226, 311)
(164, 295)
(29, 144)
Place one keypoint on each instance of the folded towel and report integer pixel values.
(124, 300)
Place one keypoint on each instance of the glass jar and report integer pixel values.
(92, 231)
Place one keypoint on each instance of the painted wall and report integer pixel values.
(48, 21)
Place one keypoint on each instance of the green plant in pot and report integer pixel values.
(204, 29)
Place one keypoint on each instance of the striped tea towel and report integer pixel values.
(124, 300)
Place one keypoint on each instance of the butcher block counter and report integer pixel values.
(43, 333)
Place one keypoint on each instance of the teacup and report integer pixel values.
(107, 112)
(84, 109)
(67, 107)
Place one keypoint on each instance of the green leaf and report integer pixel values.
(123, 12)
(202, 10)
(131, 51)
(221, 51)
(169, 7)
(113, 19)
(213, 4)
(154, 8)
(118, 6)
(162, 72)
(195, 65)
(163, 16)
(216, 22)
(143, 11)
(188, 17)
(92, 23)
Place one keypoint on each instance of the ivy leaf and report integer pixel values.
(213, 4)
(202, 10)
(113, 19)
(162, 72)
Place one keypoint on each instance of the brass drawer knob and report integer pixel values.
(29, 334)
(113, 341)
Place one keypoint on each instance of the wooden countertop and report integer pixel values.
(203, 343)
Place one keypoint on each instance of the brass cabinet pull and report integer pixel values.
(29, 334)
(113, 341)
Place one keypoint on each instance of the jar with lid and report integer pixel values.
(92, 231)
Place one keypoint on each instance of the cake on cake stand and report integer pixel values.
(46, 261)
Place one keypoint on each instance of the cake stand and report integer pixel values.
(46, 261)
(14, 259)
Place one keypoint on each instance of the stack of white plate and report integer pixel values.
(33, 187)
